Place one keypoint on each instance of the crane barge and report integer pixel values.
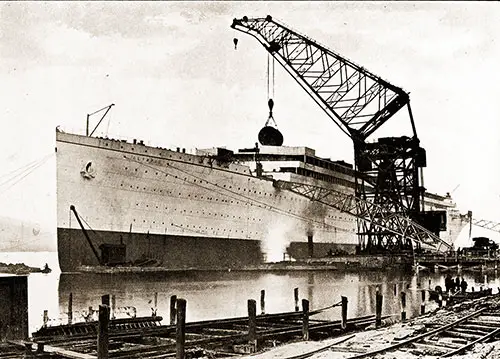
(389, 194)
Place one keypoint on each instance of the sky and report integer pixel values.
(176, 80)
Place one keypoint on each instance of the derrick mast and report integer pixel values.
(358, 102)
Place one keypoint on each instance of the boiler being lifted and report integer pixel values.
(389, 171)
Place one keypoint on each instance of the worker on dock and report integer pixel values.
(449, 283)
(463, 285)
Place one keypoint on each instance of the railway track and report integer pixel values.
(442, 342)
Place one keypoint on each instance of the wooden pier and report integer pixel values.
(147, 337)
(457, 263)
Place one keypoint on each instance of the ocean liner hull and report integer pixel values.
(174, 210)
(150, 207)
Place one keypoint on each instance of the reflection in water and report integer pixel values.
(224, 294)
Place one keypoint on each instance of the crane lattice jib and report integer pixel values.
(493, 226)
(358, 101)
(367, 211)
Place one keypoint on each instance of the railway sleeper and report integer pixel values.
(477, 332)
(484, 323)
(442, 343)
(345, 349)
(489, 318)
(430, 348)
(456, 334)
(477, 327)
(495, 314)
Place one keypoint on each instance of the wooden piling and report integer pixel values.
(422, 305)
(102, 334)
(296, 298)
(305, 319)
(45, 318)
(440, 300)
(378, 309)
(252, 324)
(105, 299)
(155, 305)
(113, 306)
(70, 309)
(262, 301)
(403, 306)
(395, 289)
(181, 327)
(173, 309)
(343, 323)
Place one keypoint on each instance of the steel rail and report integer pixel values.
(467, 346)
(418, 337)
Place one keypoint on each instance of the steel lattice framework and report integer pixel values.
(359, 102)
(493, 226)
(405, 232)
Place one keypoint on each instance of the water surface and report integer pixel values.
(213, 295)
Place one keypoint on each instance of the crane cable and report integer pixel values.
(270, 89)
(270, 77)
(14, 177)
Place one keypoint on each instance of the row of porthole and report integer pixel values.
(212, 229)
(194, 227)
(204, 213)
(189, 196)
(223, 186)
(206, 228)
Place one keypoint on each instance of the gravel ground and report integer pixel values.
(372, 338)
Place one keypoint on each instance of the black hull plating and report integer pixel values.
(176, 252)
(166, 251)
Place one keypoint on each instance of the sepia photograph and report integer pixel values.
(249, 179)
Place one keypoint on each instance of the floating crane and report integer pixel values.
(389, 171)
